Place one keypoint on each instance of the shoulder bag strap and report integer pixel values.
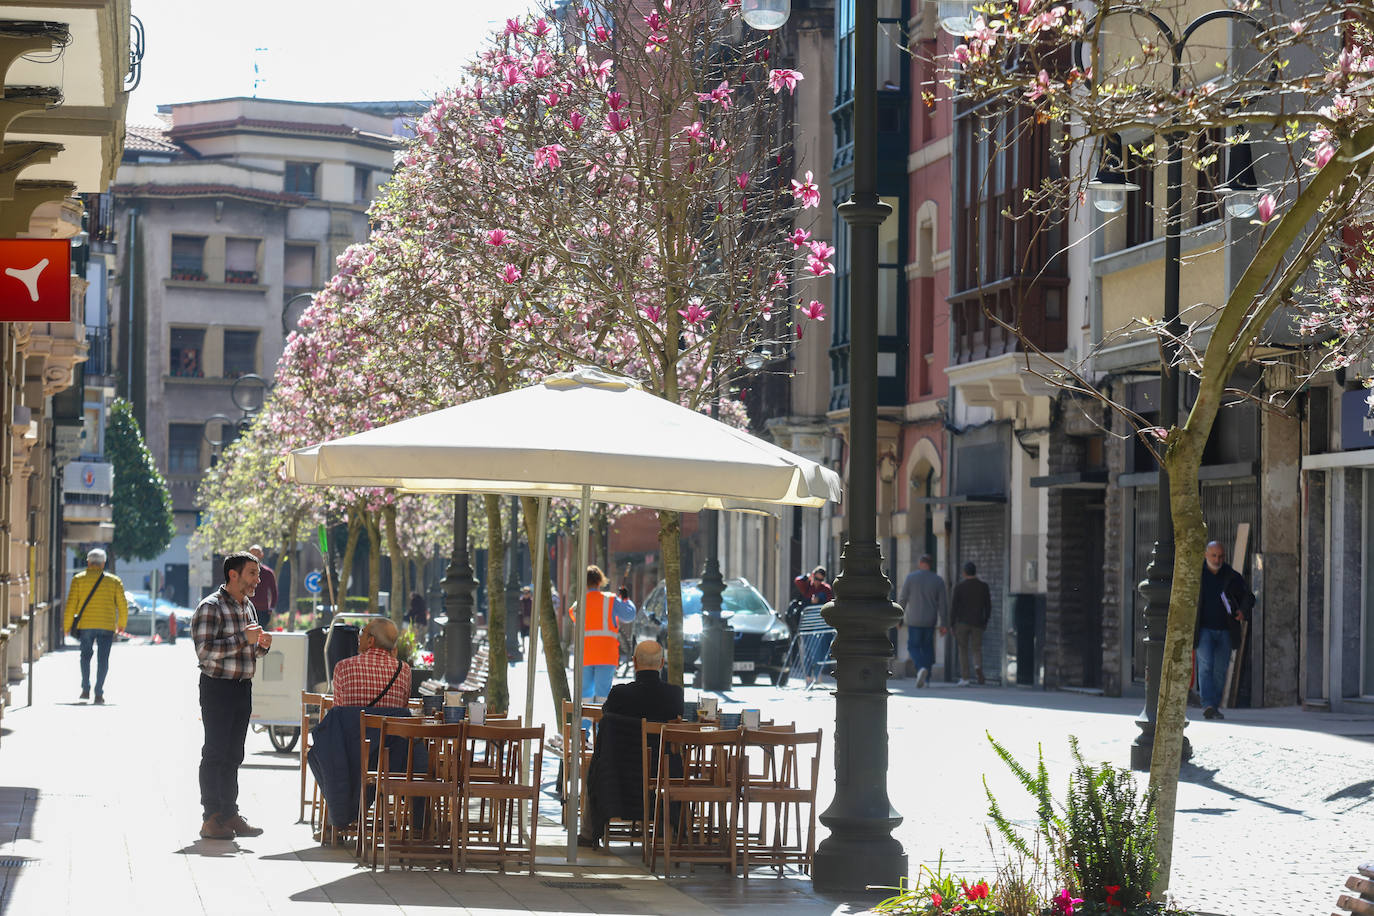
(395, 674)
(91, 594)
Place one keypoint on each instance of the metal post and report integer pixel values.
(538, 554)
(460, 590)
(1158, 585)
(717, 638)
(860, 851)
(578, 580)
(513, 648)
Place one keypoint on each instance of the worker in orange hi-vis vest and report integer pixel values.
(601, 642)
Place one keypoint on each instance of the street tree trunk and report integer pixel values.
(544, 617)
(355, 527)
(669, 545)
(498, 692)
(399, 595)
(374, 563)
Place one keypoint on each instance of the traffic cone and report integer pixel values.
(157, 638)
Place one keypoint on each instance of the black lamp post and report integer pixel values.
(460, 596)
(860, 851)
(514, 652)
(1109, 193)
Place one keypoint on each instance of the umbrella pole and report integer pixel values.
(579, 575)
(539, 552)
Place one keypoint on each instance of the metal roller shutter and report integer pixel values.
(981, 532)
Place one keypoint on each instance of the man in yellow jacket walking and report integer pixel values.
(95, 604)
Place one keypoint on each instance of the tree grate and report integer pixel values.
(584, 885)
(8, 862)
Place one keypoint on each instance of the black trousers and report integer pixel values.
(224, 709)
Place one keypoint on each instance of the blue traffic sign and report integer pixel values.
(313, 582)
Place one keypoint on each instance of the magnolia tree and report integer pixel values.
(605, 184)
(1293, 79)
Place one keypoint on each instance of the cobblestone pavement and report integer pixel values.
(99, 813)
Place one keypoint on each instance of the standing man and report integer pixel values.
(970, 609)
(1224, 602)
(926, 604)
(265, 598)
(229, 641)
(601, 639)
(813, 588)
(96, 606)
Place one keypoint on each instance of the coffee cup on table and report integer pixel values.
(750, 718)
(707, 706)
(453, 707)
(477, 713)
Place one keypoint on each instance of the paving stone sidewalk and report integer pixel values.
(99, 812)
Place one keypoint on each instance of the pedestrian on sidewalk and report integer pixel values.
(970, 609)
(601, 638)
(95, 610)
(229, 641)
(813, 588)
(1223, 604)
(925, 604)
(265, 596)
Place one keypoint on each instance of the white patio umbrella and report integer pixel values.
(555, 439)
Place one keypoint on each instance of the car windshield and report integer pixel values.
(738, 599)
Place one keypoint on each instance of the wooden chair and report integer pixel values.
(591, 713)
(706, 796)
(312, 708)
(494, 778)
(428, 782)
(368, 772)
(779, 790)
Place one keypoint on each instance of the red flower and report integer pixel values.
(1112, 890)
(978, 891)
(935, 898)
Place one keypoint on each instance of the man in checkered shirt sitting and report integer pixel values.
(362, 679)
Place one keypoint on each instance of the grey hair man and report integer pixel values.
(925, 604)
(373, 677)
(95, 610)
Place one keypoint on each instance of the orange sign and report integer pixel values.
(35, 280)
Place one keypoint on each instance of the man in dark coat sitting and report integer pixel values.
(614, 780)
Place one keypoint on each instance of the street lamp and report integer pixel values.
(1157, 587)
(460, 591)
(286, 309)
(860, 851)
(1240, 191)
(1109, 186)
(765, 15)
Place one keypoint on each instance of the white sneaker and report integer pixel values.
(962, 682)
(921, 677)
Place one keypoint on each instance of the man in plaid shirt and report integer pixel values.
(229, 641)
(360, 680)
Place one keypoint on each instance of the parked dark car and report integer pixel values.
(761, 636)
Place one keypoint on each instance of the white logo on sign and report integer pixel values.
(29, 277)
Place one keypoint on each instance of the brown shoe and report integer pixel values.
(240, 827)
(214, 828)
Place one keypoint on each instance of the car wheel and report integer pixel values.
(779, 677)
(747, 678)
(283, 737)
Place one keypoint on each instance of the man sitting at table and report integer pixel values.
(614, 787)
(373, 677)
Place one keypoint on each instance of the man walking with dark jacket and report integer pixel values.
(970, 609)
(924, 605)
(1223, 604)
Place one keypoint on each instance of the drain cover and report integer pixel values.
(584, 885)
(14, 861)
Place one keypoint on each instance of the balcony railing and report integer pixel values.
(98, 351)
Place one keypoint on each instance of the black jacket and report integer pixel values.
(1239, 596)
(334, 758)
(649, 697)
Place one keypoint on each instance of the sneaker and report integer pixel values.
(214, 828)
(239, 827)
(587, 842)
(1216, 714)
(85, 693)
(962, 682)
(1210, 712)
(921, 677)
(100, 699)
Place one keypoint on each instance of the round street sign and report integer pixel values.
(313, 582)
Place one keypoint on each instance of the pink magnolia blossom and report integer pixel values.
(742, 179)
(693, 131)
(1297, 27)
(615, 101)
(781, 79)
(575, 120)
(719, 95)
(498, 237)
(818, 266)
(1324, 154)
(821, 249)
(541, 28)
(1267, 206)
(778, 280)
(815, 310)
(496, 125)
(962, 54)
(549, 156)
(652, 312)
(694, 313)
(806, 192)
(1024, 7)
(602, 73)
(550, 98)
(798, 238)
(511, 274)
(543, 65)
(1041, 88)
(514, 27)
(601, 33)
(616, 122)
(512, 75)
(654, 21)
